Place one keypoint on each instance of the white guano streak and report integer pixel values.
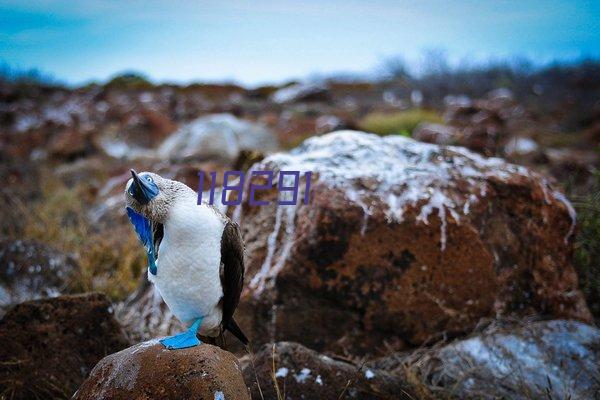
(398, 171)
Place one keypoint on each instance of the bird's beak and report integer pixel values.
(141, 190)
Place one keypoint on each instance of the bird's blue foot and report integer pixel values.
(185, 339)
(180, 341)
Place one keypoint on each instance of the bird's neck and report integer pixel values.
(186, 217)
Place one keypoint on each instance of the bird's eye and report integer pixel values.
(149, 178)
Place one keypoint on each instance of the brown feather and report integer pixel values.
(232, 275)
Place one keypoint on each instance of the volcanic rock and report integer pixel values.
(218, 136)
(68, 144)
(520, 146)
(484, 125)
(329, 123)
(157, 127)
(300, 92)
(434, 133)
(404, 242)
(49, 346)
(500, 98)
(149, 371)
(550, 359)
(31, 270)
(305, 374)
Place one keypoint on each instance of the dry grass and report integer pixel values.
(280, 394)
(587, 247)
(561, 139)
(417, 384)
(399, 123)
(110, 260)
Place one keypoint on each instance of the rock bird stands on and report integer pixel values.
(195, 256)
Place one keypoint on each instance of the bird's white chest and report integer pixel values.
(189, 259)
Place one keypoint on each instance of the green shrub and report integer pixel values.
(587, 248)
(131, 81)
(399, 123)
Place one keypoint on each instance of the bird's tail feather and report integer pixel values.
(233, 327)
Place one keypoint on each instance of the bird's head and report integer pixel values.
(151, 195)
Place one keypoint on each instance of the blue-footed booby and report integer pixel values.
(195, 256)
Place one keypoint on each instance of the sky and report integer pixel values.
(257, 42)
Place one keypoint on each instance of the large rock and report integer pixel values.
(149, 371)
(49, 346)
(298, 92)
(404, 242)
(484, 125)
(551, 360)
(218, 136)
(302, 373)
(31, 270)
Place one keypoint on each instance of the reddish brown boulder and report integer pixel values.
(302, 373)
(157, 126)
(49, 346)
(149, 371)
(402, 242)
(483, 125)
(68, 144)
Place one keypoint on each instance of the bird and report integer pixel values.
(195, 256)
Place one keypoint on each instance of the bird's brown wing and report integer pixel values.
(232, 269)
